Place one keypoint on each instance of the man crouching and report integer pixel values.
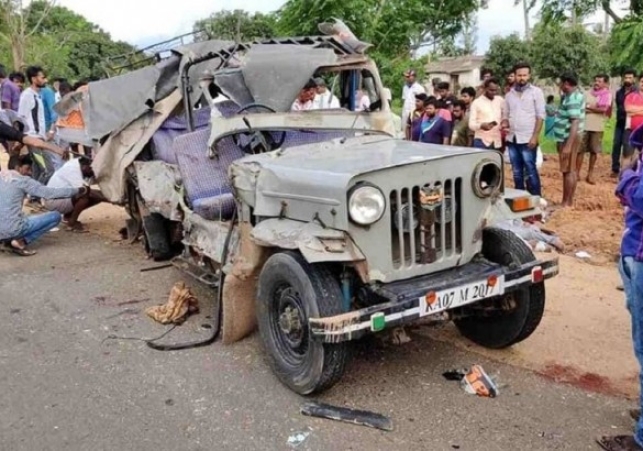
(16, 229)
(76, 173)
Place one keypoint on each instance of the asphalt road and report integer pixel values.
(64, 388)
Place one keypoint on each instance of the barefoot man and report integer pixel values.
(568, 133)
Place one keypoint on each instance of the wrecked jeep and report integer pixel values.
(319, 227)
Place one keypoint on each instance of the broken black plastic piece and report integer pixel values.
(359, 417)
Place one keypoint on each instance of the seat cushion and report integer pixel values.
(215, 208)
(206, 179)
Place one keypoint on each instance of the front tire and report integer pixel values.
(290, 292)
(506, 328)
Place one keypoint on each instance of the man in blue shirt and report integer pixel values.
(433, 128)
(630, 193)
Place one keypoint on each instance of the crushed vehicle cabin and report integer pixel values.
(319, 227)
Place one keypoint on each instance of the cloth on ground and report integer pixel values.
(527, 232)
(179, 305)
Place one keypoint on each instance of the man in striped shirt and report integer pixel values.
(568, 133)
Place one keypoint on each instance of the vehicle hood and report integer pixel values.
(313, 180)
(354, 156)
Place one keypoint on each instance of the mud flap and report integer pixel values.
(239, 316)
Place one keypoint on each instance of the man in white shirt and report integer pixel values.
(410, 90)
(486, 115)
(324, 99)
(76, 173)
(32, 110)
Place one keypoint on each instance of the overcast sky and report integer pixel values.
(144, 22)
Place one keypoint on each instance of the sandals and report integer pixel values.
(77, 228)
(17, 250)
(619, 443)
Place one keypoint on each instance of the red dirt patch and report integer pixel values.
(595, 224)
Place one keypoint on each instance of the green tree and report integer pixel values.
(558, 48)
(395, 27)
(83, 45)
(237, 25)
(505, 52)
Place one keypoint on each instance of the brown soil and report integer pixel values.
(595, 223)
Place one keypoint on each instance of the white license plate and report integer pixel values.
(439, 301)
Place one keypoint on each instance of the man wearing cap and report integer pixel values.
(410, 90)
(324, 99)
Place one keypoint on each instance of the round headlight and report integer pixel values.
(487, 179)
(366, 205)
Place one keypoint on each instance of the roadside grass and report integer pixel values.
(548, 146)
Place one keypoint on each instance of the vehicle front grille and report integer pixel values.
(426, 223)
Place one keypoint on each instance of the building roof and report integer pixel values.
(454, 65)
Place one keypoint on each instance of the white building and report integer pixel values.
(459, 71)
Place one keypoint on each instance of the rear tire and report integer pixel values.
(290, 292)
(507, 328)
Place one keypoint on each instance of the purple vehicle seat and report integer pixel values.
(175, 126)
(205, 179)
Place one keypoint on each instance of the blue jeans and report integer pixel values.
(38, 225)
(523, 159)
(479, 144)
(632, 275)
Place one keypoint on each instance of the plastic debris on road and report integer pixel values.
(298, 438)
(359, 417)
(583, 255)
(474, 381)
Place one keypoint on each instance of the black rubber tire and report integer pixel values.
(501, 331)
(321, 365)
(156, 237)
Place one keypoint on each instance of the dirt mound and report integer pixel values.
(595, 224)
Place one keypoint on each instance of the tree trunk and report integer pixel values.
(18, 52)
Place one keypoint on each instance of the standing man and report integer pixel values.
(468, 95)
(485, 74)
(619, 131)
(415, 118)
(304, 101)
(32, 111)
(510, 80)
(568, 134)
(486, 116)
(10, 91)
(462, 135)
(598, 104)
(630, 193)
(433, 128)
(523, 119)
(410, 90)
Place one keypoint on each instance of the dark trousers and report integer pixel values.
(617, 147)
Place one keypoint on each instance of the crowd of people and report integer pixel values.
(40, 168)
(510, 116)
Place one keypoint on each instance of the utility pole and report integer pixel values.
(525, 11)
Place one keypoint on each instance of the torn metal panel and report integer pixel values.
(275, 74)
(121, 148)
(157, 183)
(207, 237)
(315, 120)
(316, 243)
(335, 329)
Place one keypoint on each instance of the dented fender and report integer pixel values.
(316, 243)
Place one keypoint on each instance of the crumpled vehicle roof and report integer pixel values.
(268, 74)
